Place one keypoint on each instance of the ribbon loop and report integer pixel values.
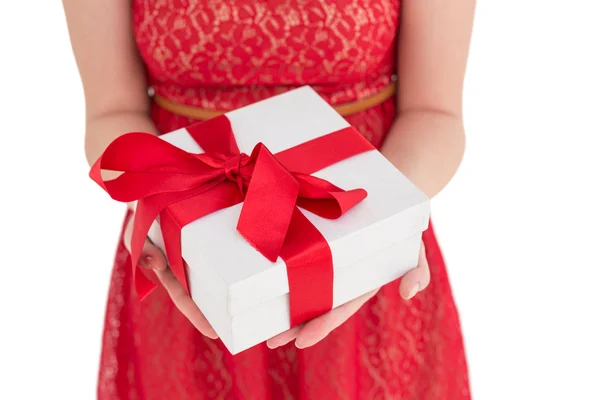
(264, 224)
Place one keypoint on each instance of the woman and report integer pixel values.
(216, 55)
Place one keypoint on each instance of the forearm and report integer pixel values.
(427, 141)
(427, 146)
(104, 128)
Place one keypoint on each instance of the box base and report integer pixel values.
(271, 318)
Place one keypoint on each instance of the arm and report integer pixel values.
(111, 70)
(116, 101)
(427, 140)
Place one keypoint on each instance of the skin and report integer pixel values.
(426, 141)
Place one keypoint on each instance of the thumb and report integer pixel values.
(151, 257)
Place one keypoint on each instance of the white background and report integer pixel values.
(519, 224)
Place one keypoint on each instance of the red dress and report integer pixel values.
(224, 54)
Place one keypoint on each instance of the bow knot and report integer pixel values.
(233, 166)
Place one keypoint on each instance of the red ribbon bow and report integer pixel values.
(180, 187)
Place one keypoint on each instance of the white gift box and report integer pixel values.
(243, 295)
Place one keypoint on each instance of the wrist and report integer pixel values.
(427, 146)
(102, 129)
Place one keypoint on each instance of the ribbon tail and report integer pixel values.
(143, 219)
(147, 210)
(309, 265)
(171, 231)
(96, 173)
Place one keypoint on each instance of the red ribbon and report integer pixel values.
(180, 187)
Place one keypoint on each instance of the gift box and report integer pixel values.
(255, 265)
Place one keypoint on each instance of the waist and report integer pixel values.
(203, 103)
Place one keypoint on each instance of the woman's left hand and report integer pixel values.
(315, 330)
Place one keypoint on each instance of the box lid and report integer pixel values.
(394, 208)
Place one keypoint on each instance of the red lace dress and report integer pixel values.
(224, 54)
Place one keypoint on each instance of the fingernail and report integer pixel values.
(271, 346)
(211, 334)
(413, 291)
(302, 344)
(147, 262)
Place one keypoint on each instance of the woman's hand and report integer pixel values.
(317, 329)
(416, 279)
(153, 258)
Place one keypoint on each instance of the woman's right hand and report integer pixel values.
(154, 259)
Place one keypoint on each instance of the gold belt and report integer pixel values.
(343, 109)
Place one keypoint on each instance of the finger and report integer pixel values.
(184, 302)
(284, 338)
(416, 279)
(151, 257)
(317, 329)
